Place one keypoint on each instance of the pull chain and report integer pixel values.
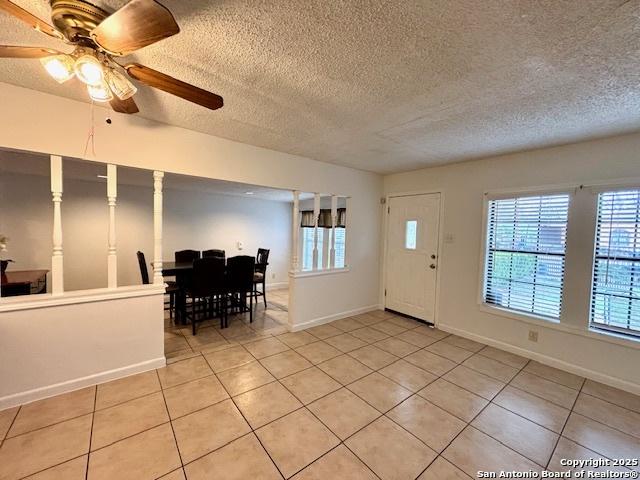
(91, 134)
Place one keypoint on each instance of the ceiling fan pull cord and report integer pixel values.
(91, 134)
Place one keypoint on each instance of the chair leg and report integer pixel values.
(171, 302)
(264, 293)
(251, 308)
(193, 316)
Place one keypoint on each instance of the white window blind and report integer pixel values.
(615, 297)
(525, 257)
(340, 246)
(307, 247)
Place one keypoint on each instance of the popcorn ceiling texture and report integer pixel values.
(387, 86)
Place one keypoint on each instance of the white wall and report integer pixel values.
(192, 219)
(91, 338)
(60, 128)
(463, 186)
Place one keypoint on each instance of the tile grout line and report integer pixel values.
(564, 425)
(173, 432)
(469, 425)
(93, 417)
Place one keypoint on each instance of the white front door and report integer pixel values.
(412, 255)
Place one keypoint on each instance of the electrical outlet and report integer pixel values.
(533, 336)
(273, 276)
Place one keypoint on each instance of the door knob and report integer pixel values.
(432, 266)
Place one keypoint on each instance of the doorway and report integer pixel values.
(412, 255)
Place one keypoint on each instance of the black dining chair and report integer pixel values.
(171, 289)
(186, 256)
(214, 253)
(260, 275)
(240, 271)
(207, 290)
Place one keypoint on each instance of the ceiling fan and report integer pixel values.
(99, 39)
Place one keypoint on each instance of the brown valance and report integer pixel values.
(324, 219)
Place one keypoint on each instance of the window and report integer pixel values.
(410, 234)
(339, 246)
(525, 253)
(307, 247)
(615, 292)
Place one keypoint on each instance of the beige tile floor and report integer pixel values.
(373, 396)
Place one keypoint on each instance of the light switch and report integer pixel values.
(240, 245)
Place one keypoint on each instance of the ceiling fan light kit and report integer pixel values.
(60, 67)
(99, 38)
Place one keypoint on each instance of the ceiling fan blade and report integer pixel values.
(158, 80)
(138, 24)
(31, 20)
(9, 51)
(124, 106)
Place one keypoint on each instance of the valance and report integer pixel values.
(324, 219)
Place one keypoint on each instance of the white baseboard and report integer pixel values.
(277, 286)
(78, 383)
(547, 360)
(330, 318)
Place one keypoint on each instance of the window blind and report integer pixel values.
(615, 293)
(525, 256)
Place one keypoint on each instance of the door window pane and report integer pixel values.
(411, 234)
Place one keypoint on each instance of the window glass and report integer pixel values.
(411, 234)
(615, 297)
(525, 257)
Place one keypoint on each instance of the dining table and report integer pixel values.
(180, 270)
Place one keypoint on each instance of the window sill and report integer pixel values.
(523, 317)
(590, 332)
(318, 273)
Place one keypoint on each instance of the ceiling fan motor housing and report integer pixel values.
(75, 19)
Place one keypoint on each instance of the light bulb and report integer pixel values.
(89, 70)
(100, 93)
(60, 67)
(119, 84)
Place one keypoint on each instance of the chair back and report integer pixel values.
(144, 273)
(186, 255)
(262, 260)
(208, 277)
(240, 273)
(214, 253)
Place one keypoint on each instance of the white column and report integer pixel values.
(57, 269)
(112, 194)
(347, 222)
(316, 214)
(334, 221)
(295, 233)
(157, 227)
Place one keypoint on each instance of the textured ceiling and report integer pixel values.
(387, 86)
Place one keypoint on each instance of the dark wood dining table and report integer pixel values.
(23, 282)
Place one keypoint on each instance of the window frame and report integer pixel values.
(596, 327)
(503, 311)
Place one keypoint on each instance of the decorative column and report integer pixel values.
(316, 214)
(295, 231)
(157, 227)
(334, 222)
(347, 222)
(57, 268)
(112, 194)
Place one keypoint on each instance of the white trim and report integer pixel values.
(12, 304)
(77, 383)
(330, 318)
(440, 247)
(318, 273)
(592, 332)
(547, 360)
(277, 286)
